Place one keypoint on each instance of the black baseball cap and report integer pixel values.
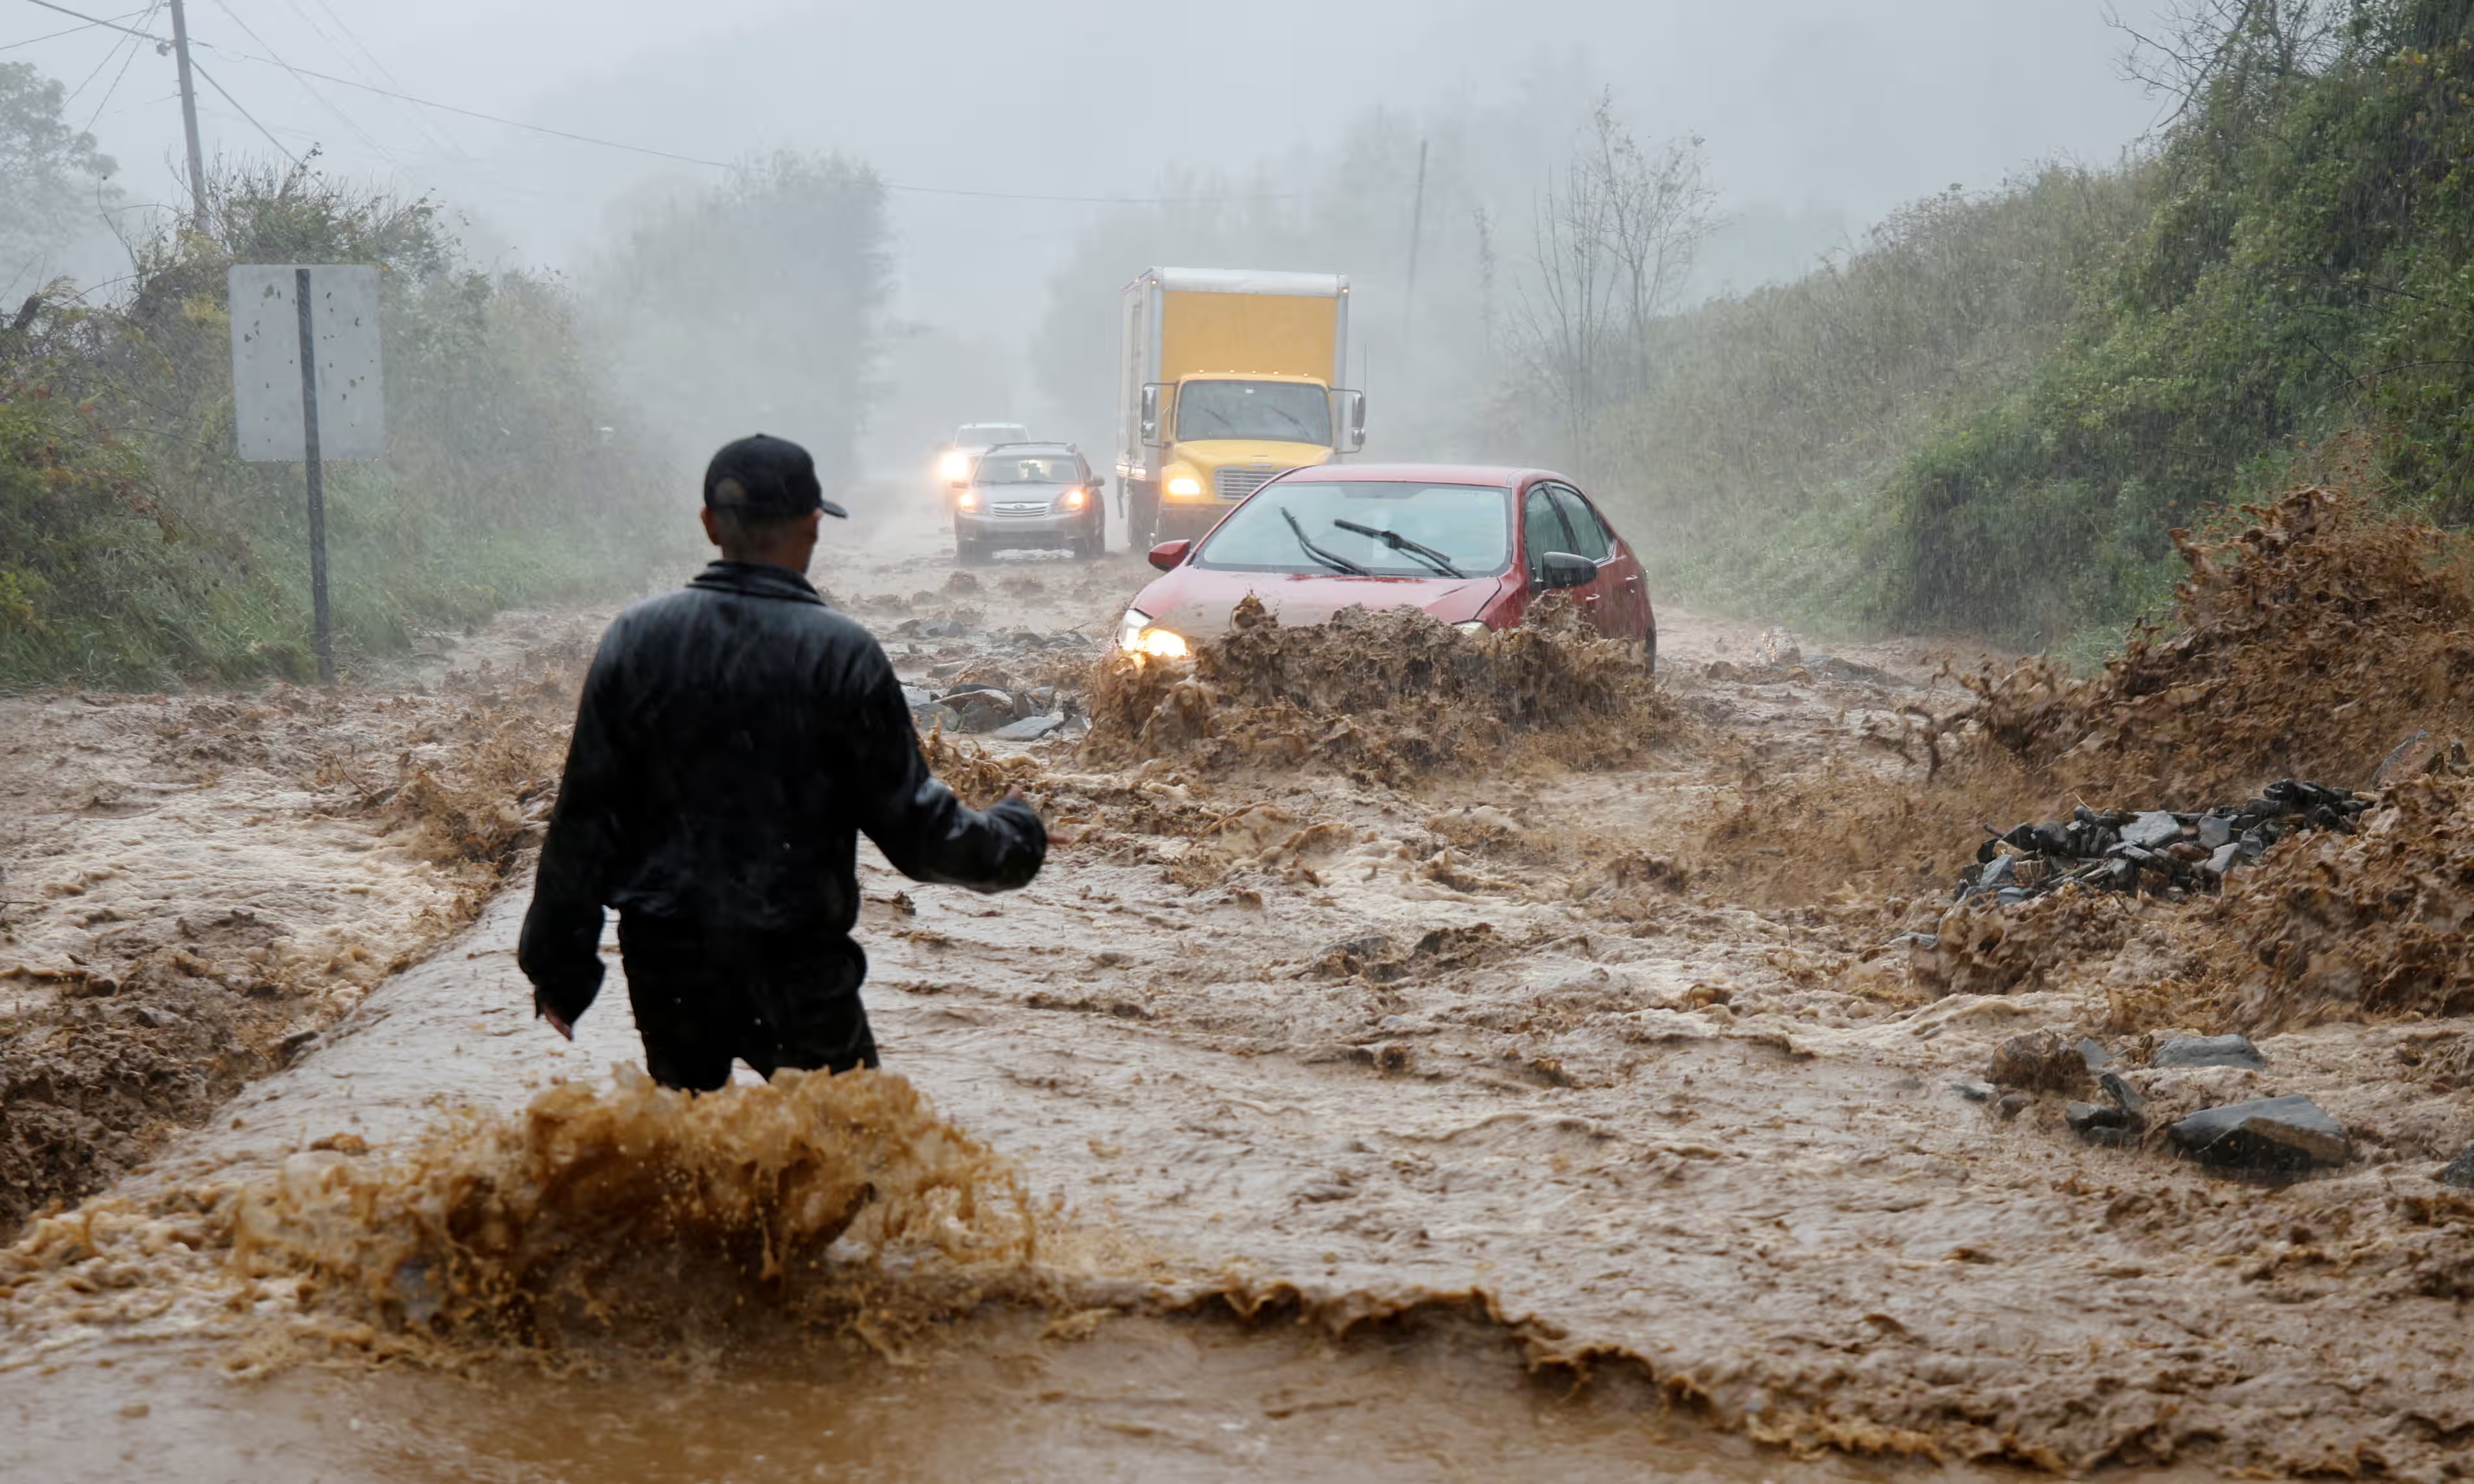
(766, 475)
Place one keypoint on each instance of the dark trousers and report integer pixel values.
(704, 1000)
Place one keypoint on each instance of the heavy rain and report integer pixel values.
(1588, 740)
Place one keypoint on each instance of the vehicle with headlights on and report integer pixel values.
(970, 440)
(1029, 495)
(1473, 545)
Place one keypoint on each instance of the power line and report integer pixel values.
(320, 98)
(658, 153)
(437, 138)
(106, 100)
(244, 112)
(54, 36)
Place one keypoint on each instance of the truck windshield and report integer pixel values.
(1287, 412)
(1470, 525)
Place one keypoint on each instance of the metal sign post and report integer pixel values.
(306, 385)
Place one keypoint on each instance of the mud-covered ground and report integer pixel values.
(1555, 1111)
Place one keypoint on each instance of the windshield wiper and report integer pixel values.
(1439, 560)
(1336, 564)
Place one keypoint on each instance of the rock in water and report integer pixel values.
(2039, 1060)
(1030, 729)
(2459, 1171)
(2289, 1133)
(2209, 1051)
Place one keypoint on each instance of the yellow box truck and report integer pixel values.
(1230, 376)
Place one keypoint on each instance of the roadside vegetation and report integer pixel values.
(1992, 415)
(537, 443)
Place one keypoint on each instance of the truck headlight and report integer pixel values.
(955, 466)
(1185, 484)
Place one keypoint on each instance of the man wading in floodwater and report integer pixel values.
(733, 739)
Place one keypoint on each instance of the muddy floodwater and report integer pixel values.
(1300, 1122)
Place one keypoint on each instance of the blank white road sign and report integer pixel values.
(266, 361)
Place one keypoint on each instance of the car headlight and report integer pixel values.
(968, 499)
(1185, 484)
(955, 466)
(1135, 634)
(1473, 625)
(1072, 499)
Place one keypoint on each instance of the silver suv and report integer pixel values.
(1029, 495)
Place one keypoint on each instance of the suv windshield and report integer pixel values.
(1287, 412)
(1469, 525)
(1028, 469)
(987, 435)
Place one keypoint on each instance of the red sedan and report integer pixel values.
(1472, 545)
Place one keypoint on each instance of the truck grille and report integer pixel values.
(1235, 483)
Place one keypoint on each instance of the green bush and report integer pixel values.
(135, 549)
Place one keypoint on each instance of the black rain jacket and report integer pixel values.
(733, 739)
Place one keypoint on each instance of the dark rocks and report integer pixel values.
(2209, 1051)
(934, 717)
(1972, 1091)
(2119, 1121)
(2094, 1054)
(2125, 1097)
(2279, 1134)
(2161, 851)
(2459, 1171)
(983, 708)
(2038, 1061)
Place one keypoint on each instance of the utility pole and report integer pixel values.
(190, 116)
(1417, 227)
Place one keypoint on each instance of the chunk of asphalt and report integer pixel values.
(2093, 1052)
(2289, 1133)
(2152, 830)
(2209, 1051)
(1030, 729)
(2216, 830)
(2459, 1171)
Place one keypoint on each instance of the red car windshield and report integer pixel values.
(1380, 528)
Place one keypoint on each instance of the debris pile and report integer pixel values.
(2375, 921)
(1384, 697)
(2305, 644)
(2159, 851)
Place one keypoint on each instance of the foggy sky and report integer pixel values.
(1826, 112)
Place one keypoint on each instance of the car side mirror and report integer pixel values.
(1562, 569)
(1099, 483)
(1168, 554)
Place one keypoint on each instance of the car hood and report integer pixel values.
(1195, 601)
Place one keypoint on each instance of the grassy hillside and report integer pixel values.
(1990, 418)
